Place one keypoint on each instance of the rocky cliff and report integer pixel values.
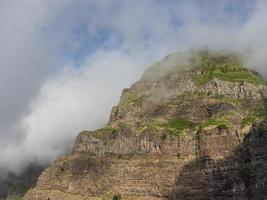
(191, 128)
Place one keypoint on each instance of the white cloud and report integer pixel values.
(75, 100)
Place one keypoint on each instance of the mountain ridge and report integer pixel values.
(197, 107)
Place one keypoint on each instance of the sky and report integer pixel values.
(64, 63)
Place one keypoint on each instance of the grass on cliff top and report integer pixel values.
(178, 124)
(100, 133)
(224, 67)
(219, 123)
(175, 126)
(108, 129)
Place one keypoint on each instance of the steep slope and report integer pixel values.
(175, 134)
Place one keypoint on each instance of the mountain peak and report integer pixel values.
(185, 126)
(205, 65)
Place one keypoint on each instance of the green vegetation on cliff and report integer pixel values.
(180, 124)
(223, 66)
(250, 119)
(108, 129)
(100, 133)
(219, 123)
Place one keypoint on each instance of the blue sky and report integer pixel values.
(64, 63)
(91, 25)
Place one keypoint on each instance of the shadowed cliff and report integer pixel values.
(241, 175)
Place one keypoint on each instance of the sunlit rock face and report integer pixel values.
(191, 128)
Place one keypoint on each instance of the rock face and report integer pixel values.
(240, 175)
(191, 128)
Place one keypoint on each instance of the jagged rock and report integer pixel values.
(178, 133)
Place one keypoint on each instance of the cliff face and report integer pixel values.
(188, 129)
(240, 175)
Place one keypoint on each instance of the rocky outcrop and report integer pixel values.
(183, 133)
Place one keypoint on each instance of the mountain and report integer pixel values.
(193, 127)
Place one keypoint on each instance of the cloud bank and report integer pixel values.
(65, 63)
